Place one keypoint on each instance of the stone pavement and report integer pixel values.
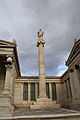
(29, 112)
(43, 114)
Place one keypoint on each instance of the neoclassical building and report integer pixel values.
(37, 92)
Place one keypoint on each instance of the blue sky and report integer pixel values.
(60, 21)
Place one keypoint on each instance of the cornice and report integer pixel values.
(74, 52)
(37, 77)
(7, 45)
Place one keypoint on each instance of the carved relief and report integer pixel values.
(1, 85)
(6, 51)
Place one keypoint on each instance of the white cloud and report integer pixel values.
(59, 19)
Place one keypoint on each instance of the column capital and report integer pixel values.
(8, 67)
(71, 70)
(76, 66)
(40, 42)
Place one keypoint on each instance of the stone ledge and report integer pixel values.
(44, 107)
(75, 116)
(50, 116)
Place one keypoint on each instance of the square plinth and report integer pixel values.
(44, 103)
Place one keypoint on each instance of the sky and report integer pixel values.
(60, 21)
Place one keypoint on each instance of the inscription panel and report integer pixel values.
(6, 51)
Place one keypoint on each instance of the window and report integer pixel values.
(47, 90)
(32, 91)
(25, 91)
(54, 97)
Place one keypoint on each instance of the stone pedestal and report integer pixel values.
(6, 107)
(44, 103)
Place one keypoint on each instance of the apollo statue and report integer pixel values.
(40, 34)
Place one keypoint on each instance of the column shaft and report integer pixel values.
(21, 92)
(29, 92)
(77, 82)
(50, 90)
(71, 83)
(36, 90)
(69, 94)
(65, 90)
(42, 85)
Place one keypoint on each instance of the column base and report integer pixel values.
(44, 103)
(6, 92)
(6, 106)
(75, 104)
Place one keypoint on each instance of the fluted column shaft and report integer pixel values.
(41, 65)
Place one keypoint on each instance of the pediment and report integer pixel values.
(75, 50)
(6, 44)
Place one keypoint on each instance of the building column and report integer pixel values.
(72, 84)
(43, 101)
(50, 90)
(77, 82)
(21, 91)
(36, 90)
(65, 90)
(29, 92)
(68, 87)
(59, 92)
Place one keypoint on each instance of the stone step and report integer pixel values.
(44, 103)
(44, 106)
(44, 99)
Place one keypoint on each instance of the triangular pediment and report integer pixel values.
(75, 50)
(6, 44)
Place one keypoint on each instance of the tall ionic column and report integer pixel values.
(77, 81)
(41, 65)
(43, 101)
(71, 83)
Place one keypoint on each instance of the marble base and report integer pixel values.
(6, 106)
(44, 103)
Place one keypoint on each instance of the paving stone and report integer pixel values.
(24, 111)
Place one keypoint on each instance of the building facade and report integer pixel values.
(17, 91)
